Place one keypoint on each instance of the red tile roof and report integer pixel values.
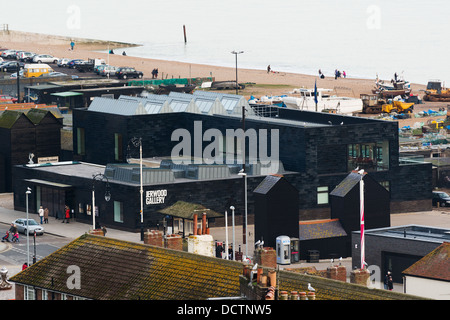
(435, 265)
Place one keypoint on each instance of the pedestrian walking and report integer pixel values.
(104, 230)
(268, 68)
(72, 44)
(386, 280)
(46, 215)
(390, 283)
(41, 214)
(66, 215)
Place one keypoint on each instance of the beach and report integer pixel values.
(273, 83)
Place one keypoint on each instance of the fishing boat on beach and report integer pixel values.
(304, 99)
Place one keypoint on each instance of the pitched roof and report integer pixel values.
(346, 185)
(112, 269)
(267, 184)
(320, 229)
(187, 210)
(435, 265)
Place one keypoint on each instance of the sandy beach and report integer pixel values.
(273, 83)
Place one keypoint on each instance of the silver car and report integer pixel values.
(32, 226)
(45, 58)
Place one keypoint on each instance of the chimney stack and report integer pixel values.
(204, 223)
(195, 224)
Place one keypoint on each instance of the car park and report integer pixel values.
(441, 198)
(30, 227)
(127, 72)
(45, 58)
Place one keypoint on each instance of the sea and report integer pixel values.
(364, 38)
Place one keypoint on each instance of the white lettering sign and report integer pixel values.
(155, 196)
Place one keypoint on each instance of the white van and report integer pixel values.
(36, 70)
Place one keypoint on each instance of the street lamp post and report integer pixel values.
(234, 236)
(138, 142)
(226, 235)
(28, 192)
(244, 233)
(107, 194)
(236, 54)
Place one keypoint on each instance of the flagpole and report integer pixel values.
(361, 199)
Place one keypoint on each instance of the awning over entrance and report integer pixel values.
(47, 183)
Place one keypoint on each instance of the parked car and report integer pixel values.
(72, 64)
(108, 70)
(30, 58)
(63, 62)
(31, 226)
(23, 55)
(14, 75)
(11, 66)
(4, 97)
(55, 74)
(8, 54)
(45, 58)
(442, 198)
(127, 72)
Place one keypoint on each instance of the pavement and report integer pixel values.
(70, 231)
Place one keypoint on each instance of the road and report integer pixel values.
(16, 253)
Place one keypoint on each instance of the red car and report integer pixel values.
(5, 98)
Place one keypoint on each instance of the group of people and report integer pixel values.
(155, 73)
(12, 231)
(388, 282)
(220, 249)
(43, 214)
(339, 74)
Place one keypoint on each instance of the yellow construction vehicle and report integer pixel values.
(398, 106)
(436, 92)
(372, 103)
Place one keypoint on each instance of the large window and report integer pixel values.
(369, 156)
(118, 211)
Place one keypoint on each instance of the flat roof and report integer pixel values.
(412, 232)
(76, 169)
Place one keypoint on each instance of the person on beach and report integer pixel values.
(72, 44)
(124, 53)
(268, 68)
(344, 74)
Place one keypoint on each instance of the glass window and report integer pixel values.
(29, 293)
(118, 147)
(118, 211)
(44, 294)
(80, 208)
(369, 156)
(322, 195)
(81, 141)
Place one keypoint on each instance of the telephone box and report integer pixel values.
(295, 250)
(283, 246)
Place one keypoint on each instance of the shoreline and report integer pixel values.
(274, 83)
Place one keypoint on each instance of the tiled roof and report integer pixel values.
(435, 265)
(119, 270)
(320, 229)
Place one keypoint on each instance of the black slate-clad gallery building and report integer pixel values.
(316, 152)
